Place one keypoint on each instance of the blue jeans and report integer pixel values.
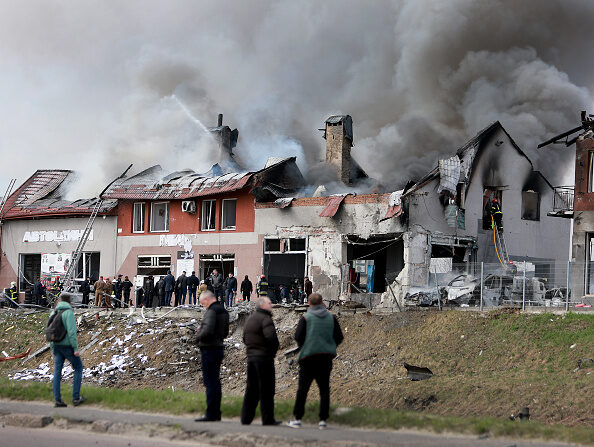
(182, 296)
(192, 298)
(229, 296)
(211, 367)
(61, 353)
(168, 294)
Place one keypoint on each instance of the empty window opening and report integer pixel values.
(223, 263)
(229, 214)
(209, 212)
(160, 217)
(138, 218)
(374, 261)
(530, 205)
(153, 264)
(591, 172)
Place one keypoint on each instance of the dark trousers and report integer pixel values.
(316, 368)
(229, 297)
(192, 296)
(182, 295)
(127, 297)
(211, 369)
(176, 297)
(246, 296)
(118, 302)
(260, 387)
(161, 299)
(85, 298)
(168, 294)
(219, 294)
(148, 299)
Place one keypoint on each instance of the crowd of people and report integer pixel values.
(317, 335)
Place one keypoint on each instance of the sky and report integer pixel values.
(95, 85)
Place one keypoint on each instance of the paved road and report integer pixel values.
(224, 432)
(31, 437)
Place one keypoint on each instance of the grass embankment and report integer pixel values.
(192, 404)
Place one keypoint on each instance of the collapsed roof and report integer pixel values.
(41, 195)
(279, 178)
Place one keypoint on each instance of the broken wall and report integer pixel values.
(326, 244)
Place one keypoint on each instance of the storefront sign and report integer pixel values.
(55, 236)
(185, 262)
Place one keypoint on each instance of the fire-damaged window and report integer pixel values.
(159, 217)
(488, 195)
(153, 264)
(138, 218)
(229, 214)
(284, 264)
(209, 212)
(530, 205)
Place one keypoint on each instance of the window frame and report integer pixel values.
(153, 204)
(203, 220)
(590, 171)
(523, 209)
(143, 216)
(223, 227)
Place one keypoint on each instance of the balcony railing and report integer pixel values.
(563, 199)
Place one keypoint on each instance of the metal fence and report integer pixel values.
(521, 284)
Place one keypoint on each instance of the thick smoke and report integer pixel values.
(92, 87)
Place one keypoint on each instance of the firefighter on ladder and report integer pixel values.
(497, 216)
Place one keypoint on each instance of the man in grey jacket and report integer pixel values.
(216, 280)
(210, 337)
(261, 342)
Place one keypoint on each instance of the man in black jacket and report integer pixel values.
(230, 290)
(261, 342)
(148, 290)
(169, 287)
(117, 290)
(246, 288)
(85, 289)
(193, 283)
(126, 286)
(160, 287)
(213, 329)
(181, 286)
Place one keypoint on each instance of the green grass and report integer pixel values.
(186, 403)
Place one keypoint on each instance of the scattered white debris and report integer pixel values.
(158, 352)
(573, 346)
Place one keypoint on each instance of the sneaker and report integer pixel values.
(59, 404)
(294, 423)
(77, 402)
(322, 425)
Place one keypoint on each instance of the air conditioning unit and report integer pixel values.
(188, 206)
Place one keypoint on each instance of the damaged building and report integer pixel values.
(374, 247)
(40, 230)
(350, 243)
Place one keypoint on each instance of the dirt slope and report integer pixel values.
(484, 364)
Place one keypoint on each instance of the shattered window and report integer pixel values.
(138, 218)
(209, 212)
(229, 214)
(272, 245)
(530, 205)
(160, 216)
(296, 244)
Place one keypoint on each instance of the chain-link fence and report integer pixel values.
(520, 283)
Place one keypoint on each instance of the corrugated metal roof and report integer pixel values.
(333, 205)
(31, 199)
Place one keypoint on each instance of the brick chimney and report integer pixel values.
(339, 140)
(225, 137)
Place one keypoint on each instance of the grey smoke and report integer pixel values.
(86, 87)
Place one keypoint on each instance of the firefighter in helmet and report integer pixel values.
(495, 212)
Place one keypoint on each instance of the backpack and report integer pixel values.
(55, 330)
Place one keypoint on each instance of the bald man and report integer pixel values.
(210, 336)
(261, 342)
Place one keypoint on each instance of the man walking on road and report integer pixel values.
(67, 348)
(261, 342)
(213, 329)
(318, 334)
